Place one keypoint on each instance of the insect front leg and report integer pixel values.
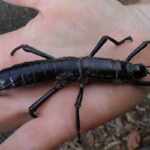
(137, 50)
(104, 39)
(60, 84)
(30, 49)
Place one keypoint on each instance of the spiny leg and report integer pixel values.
(30, 49)
(104, 39)
(58, 86)
(137, 50)
(77, 107)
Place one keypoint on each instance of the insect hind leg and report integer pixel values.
(33, 108)
(58, 86)
(61, 82)
(104, 39)
(30, 49)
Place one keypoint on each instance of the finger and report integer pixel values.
(58, 125)
(26, 3)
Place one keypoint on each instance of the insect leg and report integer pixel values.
(79, 99)
(137, 50)
(30, 49)
(77, 107)
(104, 39)
(58, 86)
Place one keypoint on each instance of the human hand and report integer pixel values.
(70, 28)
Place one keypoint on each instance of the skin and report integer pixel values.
(70, 28)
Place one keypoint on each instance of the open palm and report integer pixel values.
(70, 28)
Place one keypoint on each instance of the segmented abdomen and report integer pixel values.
(37, 71)
(26, 73)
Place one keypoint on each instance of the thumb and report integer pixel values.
(26, 3)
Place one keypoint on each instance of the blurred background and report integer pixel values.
(128, 132)
(13, 17)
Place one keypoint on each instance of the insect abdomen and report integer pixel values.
(26, 73)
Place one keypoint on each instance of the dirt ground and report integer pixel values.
(130, 131)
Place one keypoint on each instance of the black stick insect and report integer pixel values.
(67, 70)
